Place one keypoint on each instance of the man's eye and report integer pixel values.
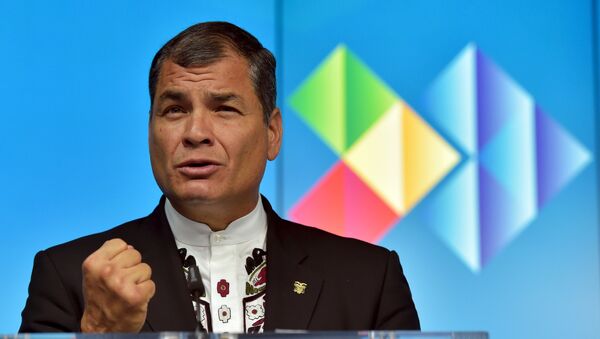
(225, 108)
(173, 110)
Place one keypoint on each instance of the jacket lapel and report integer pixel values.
(171, 307)
(292, 288)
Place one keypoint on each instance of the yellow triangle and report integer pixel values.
(376, 158)
(427, 158)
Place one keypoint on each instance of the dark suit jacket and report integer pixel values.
(350, 284)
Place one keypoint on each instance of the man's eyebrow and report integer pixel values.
(172, 95)
(225, 97)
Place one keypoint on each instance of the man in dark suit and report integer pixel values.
(213, 125)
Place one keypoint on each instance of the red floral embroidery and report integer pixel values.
(223, 288)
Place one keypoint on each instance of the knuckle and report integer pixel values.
(107, 272)
(117, 284)
(117, 241)
(121, 288)
(90, 264)
(87, 264)
(131, 296)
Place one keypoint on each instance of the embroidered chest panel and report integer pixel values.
(228, 305)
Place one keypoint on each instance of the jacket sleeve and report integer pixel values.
(396, 308)
(48, 307)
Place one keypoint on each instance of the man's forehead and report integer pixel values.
(198, 63)
(172, 72)
(229, 66)
(221, 80)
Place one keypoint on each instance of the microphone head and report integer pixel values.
(194, 281)
(189, 261)
(182, 254)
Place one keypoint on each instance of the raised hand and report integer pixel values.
(117, 287)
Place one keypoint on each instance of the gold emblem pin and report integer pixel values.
(299, 287)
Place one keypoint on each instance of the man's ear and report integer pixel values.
(275, 134)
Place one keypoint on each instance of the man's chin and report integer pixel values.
(194, 198)
(202, 195)
(195, 192)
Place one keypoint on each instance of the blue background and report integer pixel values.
(74, 108)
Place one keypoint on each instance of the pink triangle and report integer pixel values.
(323, 205)
(367, 217)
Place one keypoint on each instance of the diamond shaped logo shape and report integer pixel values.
(401, 158)
(343, 203)
(517, 158)
(341, 99)
(390, 158)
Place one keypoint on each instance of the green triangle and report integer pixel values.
(367, 98)
(320, 100)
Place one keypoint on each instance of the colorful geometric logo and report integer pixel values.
(389, 157)
(517, 158)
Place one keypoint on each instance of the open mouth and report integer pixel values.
(198, 164)
(198, 169)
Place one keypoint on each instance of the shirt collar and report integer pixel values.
(249, 227)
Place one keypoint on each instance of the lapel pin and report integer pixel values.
(299, 287)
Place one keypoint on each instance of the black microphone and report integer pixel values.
(194, 281)
(196, 288)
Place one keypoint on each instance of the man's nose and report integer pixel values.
(199, 130)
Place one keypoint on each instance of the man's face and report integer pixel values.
(208, 140)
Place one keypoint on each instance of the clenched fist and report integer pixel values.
(116, 289)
